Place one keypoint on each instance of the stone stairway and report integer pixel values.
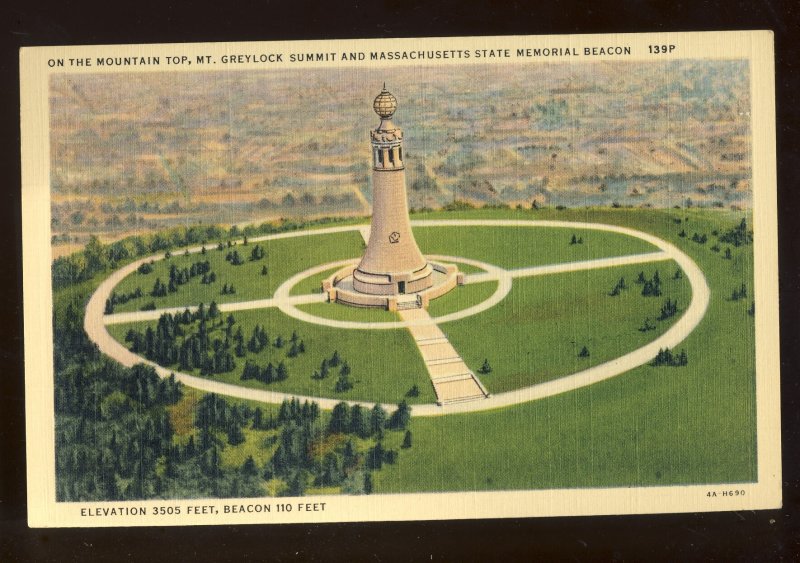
(405, 303)
(453, 381)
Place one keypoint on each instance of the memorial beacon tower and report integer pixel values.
(392, 274)
(392, 263)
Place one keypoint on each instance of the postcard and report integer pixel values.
(400, 279)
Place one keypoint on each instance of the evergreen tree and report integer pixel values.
(349, 455)
(340, 419)
(159, 289)
(669, 309)
(413, 392)
(377, 419)
(647, 326)
(256, 254)
(267, 375)
(281, 373)
(375, 456)
(343, 384)
(235, 434)
(264, 270)
(109, 307)
(368, 484)
(485, 367)
(584, 353)
(297, 485)
(401, 417)
(258, 419)
(406, 440)
(359, 425)
(248, 468)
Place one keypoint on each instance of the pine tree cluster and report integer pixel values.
(234, 258)
(620, 285)
(266, 375)
(168, 343)
(738, 236)
(257, 253)
(121, 299)
(665, 357)
(651, 287)
(740, 293)
(668, 309)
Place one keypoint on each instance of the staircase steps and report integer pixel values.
(462, 399)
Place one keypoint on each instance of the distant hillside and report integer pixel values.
(137, 152)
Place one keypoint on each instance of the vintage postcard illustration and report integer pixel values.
(400, 279)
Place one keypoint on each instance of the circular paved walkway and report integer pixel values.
(95, 325)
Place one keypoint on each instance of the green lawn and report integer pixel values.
(650, 426)
(385, 364)
(339, 312)
(518, 247)
(284, 258)
(461, 297)
(537, 331)
(313, 284)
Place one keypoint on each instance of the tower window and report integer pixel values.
(391, 156)
(380, 157)
(400, 153)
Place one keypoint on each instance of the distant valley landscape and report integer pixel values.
(138, 152)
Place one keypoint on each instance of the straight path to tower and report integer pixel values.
(453, 381)
(421, 324)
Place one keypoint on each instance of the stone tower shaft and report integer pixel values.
(392, 263)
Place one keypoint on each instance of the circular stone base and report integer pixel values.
(339, 288)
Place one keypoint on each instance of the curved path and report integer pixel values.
(95, 324)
